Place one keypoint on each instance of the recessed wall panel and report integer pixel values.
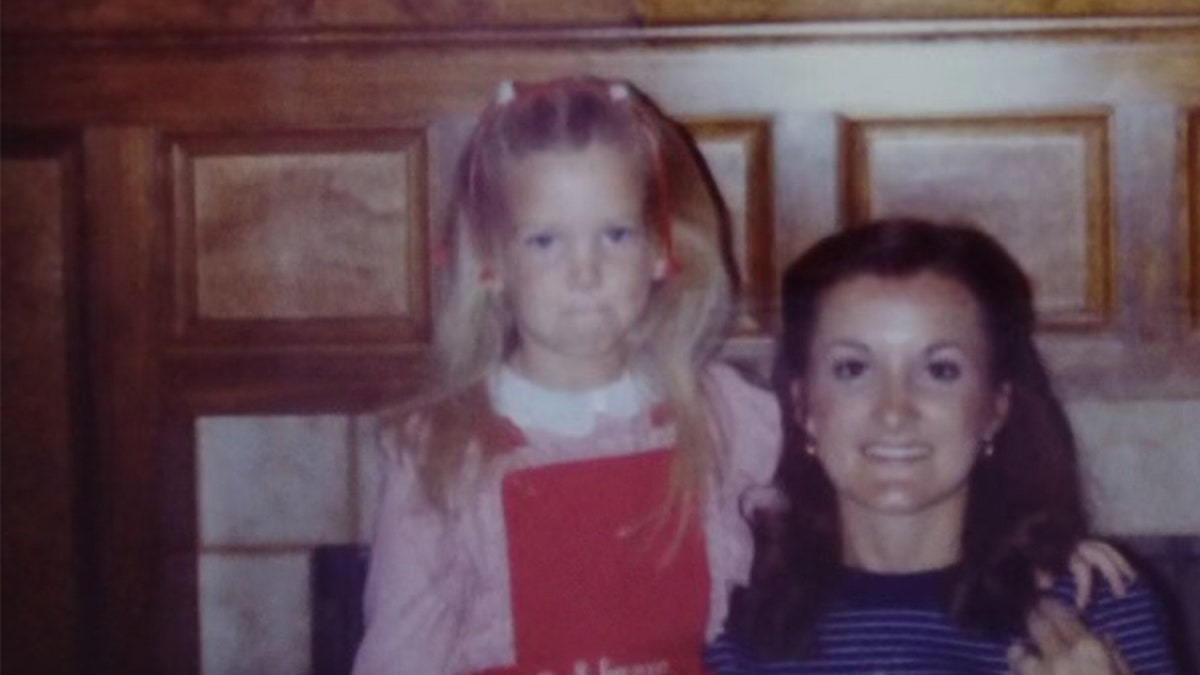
(301, 237)
(1039, 184)
(736, 152)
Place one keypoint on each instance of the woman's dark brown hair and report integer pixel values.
(1024, 509)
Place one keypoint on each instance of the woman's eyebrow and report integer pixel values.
(847, 343)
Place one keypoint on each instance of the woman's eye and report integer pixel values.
(944, 371)
(848, 369)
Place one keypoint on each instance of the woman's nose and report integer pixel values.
(895, 407)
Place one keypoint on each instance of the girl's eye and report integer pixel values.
(540, 240)
(848, 369)
(619, 234)
(944, 371)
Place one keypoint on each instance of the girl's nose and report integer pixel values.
(585, 265)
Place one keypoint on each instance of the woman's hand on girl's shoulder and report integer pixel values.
(1092, 556)
(1062, 645)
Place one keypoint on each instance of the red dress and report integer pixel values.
(550, 562)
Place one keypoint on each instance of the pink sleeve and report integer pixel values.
(417, 584)
(749, 431)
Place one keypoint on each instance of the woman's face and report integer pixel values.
(898, 395)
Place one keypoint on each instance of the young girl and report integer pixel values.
(563, 498)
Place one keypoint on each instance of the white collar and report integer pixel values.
(570, 412)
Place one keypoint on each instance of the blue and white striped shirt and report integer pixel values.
(895, 625)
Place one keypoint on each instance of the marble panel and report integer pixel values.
(255, 613)
(1141, 464)
(277, 480)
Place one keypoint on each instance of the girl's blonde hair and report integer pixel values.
(687, 312)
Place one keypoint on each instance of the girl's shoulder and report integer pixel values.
(724, 381)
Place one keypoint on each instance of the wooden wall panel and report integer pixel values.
(737, 154)
(1191, 174)
(42, 380)
(301, 238)
(1040, 184)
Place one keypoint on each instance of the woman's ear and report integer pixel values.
(1000, 406)
(799, 411)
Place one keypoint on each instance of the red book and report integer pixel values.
(600, 586)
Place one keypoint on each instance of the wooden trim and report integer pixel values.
(121, 198)
(878, 28)
(692, 11)
(124, 20)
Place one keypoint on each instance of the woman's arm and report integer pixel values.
(1062, 645)
(1117, 636)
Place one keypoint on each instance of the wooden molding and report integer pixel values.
(1191, 175)
(128, 18)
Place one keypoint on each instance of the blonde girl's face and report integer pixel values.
(899, 395)
(578, 270)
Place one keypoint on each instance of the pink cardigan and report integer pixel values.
(437, 595)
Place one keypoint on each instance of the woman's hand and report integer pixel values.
(1089, 557)
(1063, 646)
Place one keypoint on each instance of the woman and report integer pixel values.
(929, 478)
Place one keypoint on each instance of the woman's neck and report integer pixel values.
(899, 543)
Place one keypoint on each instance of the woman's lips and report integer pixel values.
(897, 452)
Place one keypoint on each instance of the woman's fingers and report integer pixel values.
(1021, 661)
(1122, 668)
(1054, 629)
(1090, 557)
(1082, 572)
(1063, 646)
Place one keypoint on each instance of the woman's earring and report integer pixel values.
(988, 447)
(810, 446)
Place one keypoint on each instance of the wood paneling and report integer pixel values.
(260, 185)
(300, 238)
(737, 154)
(43, 432)
(1040, 184)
